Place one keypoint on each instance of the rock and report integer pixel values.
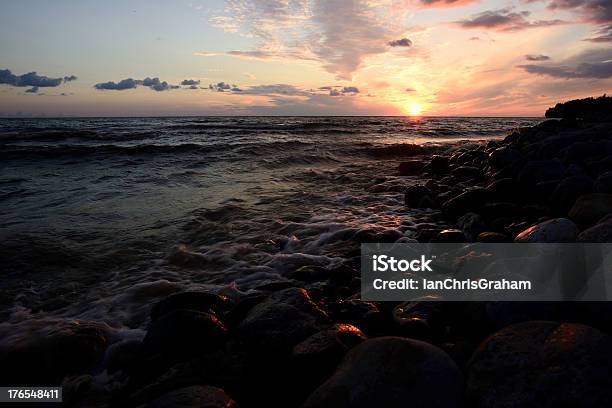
(579, 152)
(506, 189)
(317, 357)
(241, 309)
(415, 195)
(568, 190)
(600, 232)
(423, 320)
(491, 211)
(365, 315)
(411, 168)
(504, 157)
(195, 396)
(603, 184)
(542, 364)
(537, 171)
(198, 301)
(391, 372)
(492, 237)
(555, 230)
(51, 352)
(467, 172)
(450, 235)
(121, 355)
(181, 335)
(472, 224)
(591, 207)
(281, 321)
(438, 165)
(465, 202)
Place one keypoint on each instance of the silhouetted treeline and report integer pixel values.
(589, 108)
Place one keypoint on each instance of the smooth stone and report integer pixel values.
(600, 232)
(589, 208)
(198, 301)
(506, 189)
(555, 230)
(467, 201)
(603, 183)
(537, 171)
(282, 320)
(196, 396)
(568, 190)
(541, 363)
(472, 224)
(365, 315)
(411, 168)
(392, 372)
(422, 320)
(504, 157)
(414, 195)
(439, 165)
(467, 172)
(450, 235)
(492, 237)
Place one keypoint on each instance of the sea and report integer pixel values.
(102, 217)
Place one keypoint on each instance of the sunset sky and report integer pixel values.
(301, 57)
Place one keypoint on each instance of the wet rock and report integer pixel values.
(282, 320)
(466, 202)
(504, 156)
(241, 309)
(536, 171)
(450, 235)
(422, 320)
(438, 165)
(600, 232)
(491, 211)
(417, 196)
(198, 301)
(51, 352)
(591, 207)
(194, 396)
(472, 224)
(555, 230)
(506, 189)
(310, 273)
(317, 357)
(391, 372)
(568, 190)
(542, 364)
(411, 168)
(365, 315)
(122, 355)
(180, 335)
(584, 151)
(603, 183)
(467, 172)
(492, 237)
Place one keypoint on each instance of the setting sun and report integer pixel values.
(415, 109)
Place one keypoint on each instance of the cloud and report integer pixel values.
(505, 20)
(339, 34)
(594, 11)
(344, 91)
(220, 87)
(474, 38)
(285, 90)
(403, 42)
(410, 90)
(445, 3)
(31, 79)
(538, 57)
(603, 35)
(592, 64)
(190, 82)
(33, 89)
(154, 84)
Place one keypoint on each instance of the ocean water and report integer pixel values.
(101, 217)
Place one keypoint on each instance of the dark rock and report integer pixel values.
(544, 190)
(603, 184)
(198, 301)
(542, 364)
(450, 235)
(589, 208)
(568, 190)
(365, 315)
(467, 172)
(422, 320)
(49, 353)
(122, 355)
(282, 320)
(411, 168)
(504, 156)
(583, 151)
(555, 230)
(194, 396)
(180, 335)
(414, 195)
(310, 273)
(317, 357)
(491, 211)
(506, 189)
(438, 165)
(492, 237)
(537, 171)
(472, 224)
(600, 232)
(466, 202)
(391, 372)
(240, 310)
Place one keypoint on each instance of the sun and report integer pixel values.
(415, 109)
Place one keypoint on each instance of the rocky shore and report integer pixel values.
(313, 343)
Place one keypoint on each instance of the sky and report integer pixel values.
(301, 57)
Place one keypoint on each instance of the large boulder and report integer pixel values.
(391, 372)
(467, 201)
(568, 190)
(542, 364)
(50, 350)
(281, 321)
(590, 208)
(600, 232)
(504, 156)
(537, 171)
(555, 230)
